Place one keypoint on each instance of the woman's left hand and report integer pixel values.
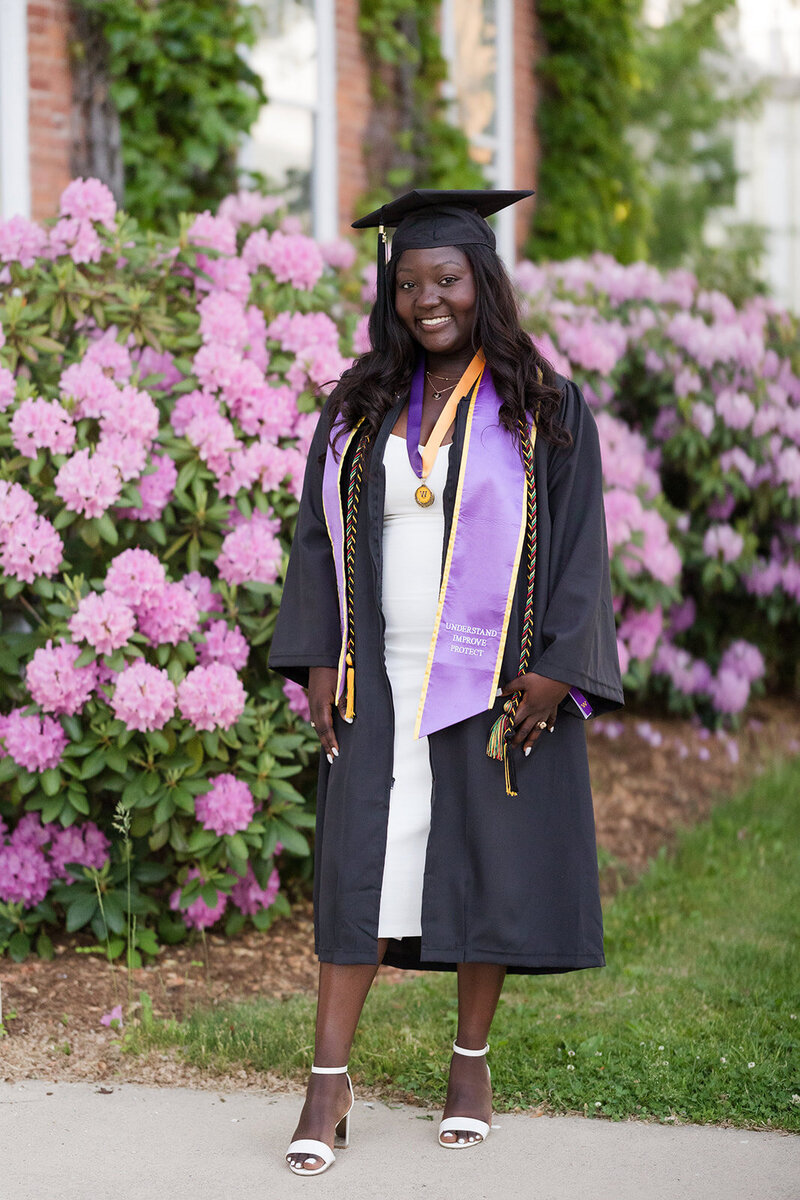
(540, 700)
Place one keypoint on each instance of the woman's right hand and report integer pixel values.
(321, 699)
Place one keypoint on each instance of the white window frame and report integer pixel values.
(15, 172)
(502, 175)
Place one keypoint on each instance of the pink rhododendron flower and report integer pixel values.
(722, 541)
(217, 233)
(703, 418)
(31, 547)
(25, 874)
(7, 388)
(200, 586)
(170, 617)
(735, 409)
(128, 454)
(34, 742)
(90, 200)
(211, 697)
(159, 365)
(291, 257)
(227, 275)
(296, 331)
(198, 915)
(682, 616)
(88, 385)
(88, 483)
(111, 356)
(137, 577)
(227, 808)
(298, 699)
(746, 659)
(42, 425)
(55, 683)
(82, 844)
(641, 631)
(144, 697)
(15, 505)
(249, 208)
(738, 463)
(223, 645)
(156, 490)
(191, 405)
(249, 897)
(730, 691)
(251, 552)
(133, 414)
(215, 440)
(104, 621)
(338, 254)
(30, 831)
(222, 320)
(21, 241)
(113, 1019)
(78, 239)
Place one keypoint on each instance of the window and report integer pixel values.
(477, 40)
(293, 142)
(15, 194)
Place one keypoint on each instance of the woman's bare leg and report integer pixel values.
(469, 1091)
(340, 999)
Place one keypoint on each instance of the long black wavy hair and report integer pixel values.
(374, 383)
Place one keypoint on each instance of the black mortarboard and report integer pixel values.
(434, 217)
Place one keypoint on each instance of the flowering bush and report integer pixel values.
(698, 407)
(157, 399)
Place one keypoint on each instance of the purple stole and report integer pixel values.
(487, 538)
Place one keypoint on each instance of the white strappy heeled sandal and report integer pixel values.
(310, 1146)
(465, 1124)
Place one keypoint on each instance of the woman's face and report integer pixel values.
(435, 298)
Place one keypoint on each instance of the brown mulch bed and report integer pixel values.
(646, 789)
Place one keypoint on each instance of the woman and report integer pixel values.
(417, 582)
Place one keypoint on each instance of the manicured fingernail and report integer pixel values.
(551, 729)
(329, 758)
(499, 692)
(335, 752)
(528, 750)
(349, 720)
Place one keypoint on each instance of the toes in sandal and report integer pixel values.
(310, 1147)
(465, 1124)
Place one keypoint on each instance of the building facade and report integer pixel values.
(311, 134)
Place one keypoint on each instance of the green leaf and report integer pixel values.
(44, 947)
(291, 839)
(107, 529)
(86, 656)
(209, 894)
(51, 781)
(94, 764)
(19, 946)
(51, 809)
(81, 911)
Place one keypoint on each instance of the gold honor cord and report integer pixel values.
(423, 495)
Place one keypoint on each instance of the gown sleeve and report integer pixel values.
(579, 628)
(308, 632)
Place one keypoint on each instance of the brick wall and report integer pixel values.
(50, 103)
(526, 141)
(353, 104)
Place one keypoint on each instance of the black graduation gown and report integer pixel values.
(508, 879)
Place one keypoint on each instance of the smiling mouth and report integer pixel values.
(433, 322)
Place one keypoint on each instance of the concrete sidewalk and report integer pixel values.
(72, 1142)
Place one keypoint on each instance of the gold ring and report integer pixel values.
(541, 724)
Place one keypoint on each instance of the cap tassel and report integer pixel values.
(381, 293)
(350, 694)
(499, 744)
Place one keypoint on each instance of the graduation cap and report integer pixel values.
(429, 217)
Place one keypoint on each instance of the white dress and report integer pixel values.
(412, 564)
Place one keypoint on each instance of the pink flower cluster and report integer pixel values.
(104, 621)
(29, 545)
(34, 855)
(251, 552)
(34, 742)
(211, 697)
(227, 808)
(291, 257)
(165, 612)
(55, 683)
(198, 914)
(224, 645)
(248, 895)
(42, 425)
(144, 697)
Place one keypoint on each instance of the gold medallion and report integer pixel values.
(424, 496)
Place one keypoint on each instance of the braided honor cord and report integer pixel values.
(351, 522)
(499, 744)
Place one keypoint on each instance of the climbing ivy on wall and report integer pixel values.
(591, 190)
(184, 95)
(410, 141)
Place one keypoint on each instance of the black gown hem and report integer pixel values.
(402, 953)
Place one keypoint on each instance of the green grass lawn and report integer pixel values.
(696, 1017)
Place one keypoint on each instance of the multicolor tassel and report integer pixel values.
(502, 732)
(351, 524)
